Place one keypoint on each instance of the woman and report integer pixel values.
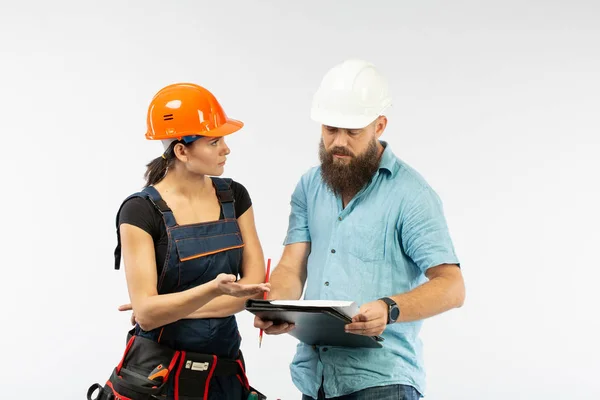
(185, 238)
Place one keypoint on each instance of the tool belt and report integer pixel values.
(147, 368)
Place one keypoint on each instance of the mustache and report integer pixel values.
(341, 151)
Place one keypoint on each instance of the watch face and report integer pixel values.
(394, 313)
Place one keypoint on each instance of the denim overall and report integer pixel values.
(196, 254)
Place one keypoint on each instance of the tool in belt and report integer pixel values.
(146, 367)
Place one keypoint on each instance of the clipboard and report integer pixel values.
(320, 326)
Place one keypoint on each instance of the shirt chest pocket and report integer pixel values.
(366, 242)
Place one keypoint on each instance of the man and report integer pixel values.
(366, 227)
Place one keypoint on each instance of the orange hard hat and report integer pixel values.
(184, 110)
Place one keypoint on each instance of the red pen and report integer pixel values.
(264, 298)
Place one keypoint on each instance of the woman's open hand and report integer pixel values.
(226, 284)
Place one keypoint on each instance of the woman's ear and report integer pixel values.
(180, 151)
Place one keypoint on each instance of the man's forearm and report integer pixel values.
(285, 285)
(431, 298)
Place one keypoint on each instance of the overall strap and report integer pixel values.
(225, 196)
(151, 194)
(161, 206)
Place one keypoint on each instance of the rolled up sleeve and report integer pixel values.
(298, 220)
(424, 232)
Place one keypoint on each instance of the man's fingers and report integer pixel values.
(370, 332)
(356, 327)
(377, 330)
(125, 307)
(360, 318)
(365, 314)
(262, 324)
(270, 328)
(363, 326)
(279, 329)
(370, 328)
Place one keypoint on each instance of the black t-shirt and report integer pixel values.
(140, 212)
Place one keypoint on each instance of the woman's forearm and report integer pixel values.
(220, 307)
(223, 306)
(159, 310)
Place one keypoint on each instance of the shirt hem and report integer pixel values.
(397, 381)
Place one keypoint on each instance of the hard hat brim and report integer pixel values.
(342, 121)
(231, 126)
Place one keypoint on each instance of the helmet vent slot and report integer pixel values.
(168, 117)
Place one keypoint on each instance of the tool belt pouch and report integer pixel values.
(248, 390)
(130, 379)
(192, 379)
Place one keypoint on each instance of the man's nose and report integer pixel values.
(340, 140)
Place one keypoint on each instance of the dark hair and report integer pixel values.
(157, 168)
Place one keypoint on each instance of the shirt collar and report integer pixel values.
(388, 160)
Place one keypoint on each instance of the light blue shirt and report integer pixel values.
(380, 245)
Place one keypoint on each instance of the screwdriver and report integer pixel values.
(160, 372)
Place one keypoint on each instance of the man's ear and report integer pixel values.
(380, 124)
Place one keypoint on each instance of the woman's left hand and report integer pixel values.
(226, 284)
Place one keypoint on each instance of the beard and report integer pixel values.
(348, 179)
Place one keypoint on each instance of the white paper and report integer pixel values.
(348, 308)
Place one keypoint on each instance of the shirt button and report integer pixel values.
(326, 283)
(333, 250)
(339, 218)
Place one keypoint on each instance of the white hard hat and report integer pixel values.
(351, 96)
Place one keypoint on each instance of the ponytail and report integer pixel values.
(157, 168)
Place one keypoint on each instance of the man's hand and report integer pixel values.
(270, 329)
(371, 319)
(127, 307)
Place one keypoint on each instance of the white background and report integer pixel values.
(495, 103)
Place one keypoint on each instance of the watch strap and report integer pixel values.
(390, 303)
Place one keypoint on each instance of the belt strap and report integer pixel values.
(224, 367)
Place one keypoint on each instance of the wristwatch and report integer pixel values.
(393, 310)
